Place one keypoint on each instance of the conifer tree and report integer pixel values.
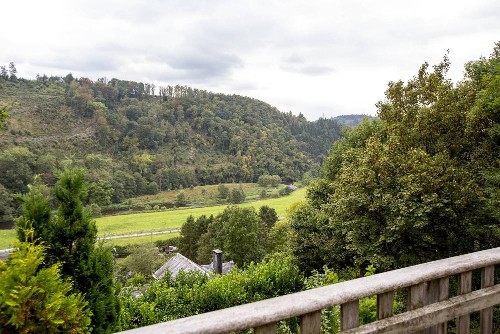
(70, 238)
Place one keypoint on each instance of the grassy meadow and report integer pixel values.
(168, 219)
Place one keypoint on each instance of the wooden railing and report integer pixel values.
(429, 304)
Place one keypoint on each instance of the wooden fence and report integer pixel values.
(429, 304)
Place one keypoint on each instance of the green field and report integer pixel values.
(140, 240)
(163, 220)
(7, 238)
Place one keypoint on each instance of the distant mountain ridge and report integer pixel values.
(351, 120)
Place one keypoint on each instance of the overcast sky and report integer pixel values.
(321, 58)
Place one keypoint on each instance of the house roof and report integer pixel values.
(226, 267)
(175, 264)
(179, 262)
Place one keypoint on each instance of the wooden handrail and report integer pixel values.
(266, 313)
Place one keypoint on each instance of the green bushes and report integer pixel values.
(193, 293)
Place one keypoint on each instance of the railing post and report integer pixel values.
(464, 286)
(271, 328)
(311, 323)
(486, 315)
(384, 305)
(349, 315)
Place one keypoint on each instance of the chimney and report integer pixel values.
(217, 254)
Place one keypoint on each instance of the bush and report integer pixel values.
(269, 180)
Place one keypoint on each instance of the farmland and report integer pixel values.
(162, 220)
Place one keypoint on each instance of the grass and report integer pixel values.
(140, 240)
(163, 220)
(206, 195)
(7, 238)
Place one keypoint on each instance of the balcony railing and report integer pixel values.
(429, 304)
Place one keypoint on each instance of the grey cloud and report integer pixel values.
(312, 70)
(198, 63)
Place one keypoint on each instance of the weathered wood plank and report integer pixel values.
(444, 293)
(464, 286)
(416, 297)
(432, 296)
(486, 315)
(436, 313)
(267, 329)
(437, 291)
(310, 323)
(385, 303)
(349, 315)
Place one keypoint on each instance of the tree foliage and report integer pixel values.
(193, 293)
(418, 184)
(241, 233)
(34, 299)
(69, 237)
(135, 143)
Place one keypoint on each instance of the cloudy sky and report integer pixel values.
(321, 58)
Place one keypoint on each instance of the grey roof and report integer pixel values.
(175, 264)
(179, 262)
(226, 267)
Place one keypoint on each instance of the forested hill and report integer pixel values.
(135, 138)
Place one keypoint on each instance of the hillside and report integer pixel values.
(351, 120)
(136, 139)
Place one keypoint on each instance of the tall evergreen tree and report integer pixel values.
(70, 238)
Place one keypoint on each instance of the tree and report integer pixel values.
(180, 199)
(417, 185)
(223, 192)
(191, 232)
(36, 213)
(18, 167)
(268, 216)
(269, 180)
(143, 259)
(70, 238)
(6, 206)
(12, 71)
(3, 115)
(241, 233)
(34, 299)
(3, 73)
(237, 196)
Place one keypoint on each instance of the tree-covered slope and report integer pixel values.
(137, 139)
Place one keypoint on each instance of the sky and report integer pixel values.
(318, 58)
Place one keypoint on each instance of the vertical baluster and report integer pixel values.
(349, 315)
(444, 294)
(416, 298)
(384, 305)
(464, 286)
(267, 329)
(311, 323)
(486, 315)
(437, 291)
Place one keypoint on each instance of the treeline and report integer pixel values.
(135, 141)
